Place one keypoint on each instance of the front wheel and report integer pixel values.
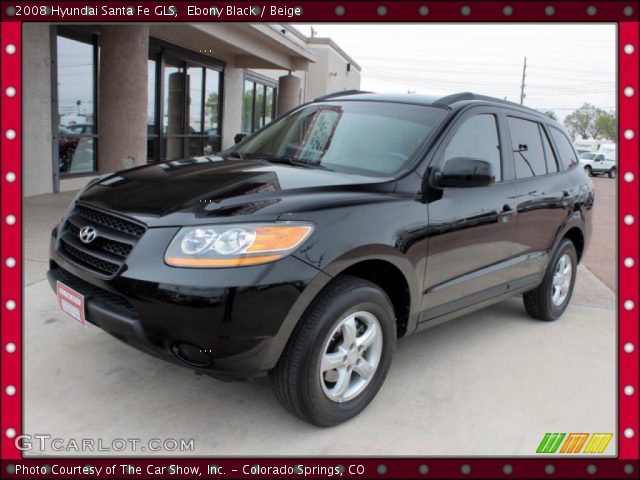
(551, 298)
(612, 173)
(588, 170)
(339, 354)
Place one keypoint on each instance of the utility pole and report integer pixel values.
(524, 70)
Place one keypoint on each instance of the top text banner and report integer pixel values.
(305, 11)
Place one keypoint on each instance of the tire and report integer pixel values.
(612, 173)
(548, 302)
(588, 170)
(300, 385)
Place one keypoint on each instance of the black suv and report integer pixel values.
(308, 248)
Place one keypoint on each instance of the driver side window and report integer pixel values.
(477, 138)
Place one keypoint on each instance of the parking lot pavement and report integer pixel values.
(490, 383)
(601, 254)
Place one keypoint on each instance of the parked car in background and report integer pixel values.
(67, 145)
(595, 163)
(306, 250)
(80, 128)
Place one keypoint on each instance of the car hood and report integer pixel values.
(212, 189)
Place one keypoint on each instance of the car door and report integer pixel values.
(599, 163)
(470, 230)
(544, 193)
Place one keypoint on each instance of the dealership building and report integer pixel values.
(99, 98)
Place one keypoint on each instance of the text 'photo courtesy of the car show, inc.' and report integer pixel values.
(316, 239)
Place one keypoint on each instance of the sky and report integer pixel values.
(567, 64)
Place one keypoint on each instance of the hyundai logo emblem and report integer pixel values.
(88, 234)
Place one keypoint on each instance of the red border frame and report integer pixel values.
(358, 11)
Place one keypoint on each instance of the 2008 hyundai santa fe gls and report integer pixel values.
(306, 250)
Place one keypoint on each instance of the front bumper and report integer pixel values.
(230, 323)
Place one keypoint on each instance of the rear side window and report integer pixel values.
(565, 149)
(528, 151)
(477, 138)
(552, 161)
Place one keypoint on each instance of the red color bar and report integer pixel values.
(628, 237)
(11, 199)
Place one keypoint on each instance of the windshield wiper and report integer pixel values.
(288, 160)
(238, 154)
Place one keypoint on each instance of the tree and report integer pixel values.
(580, 121)
(606, 125)
(595, 128)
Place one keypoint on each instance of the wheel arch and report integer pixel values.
(359, 262)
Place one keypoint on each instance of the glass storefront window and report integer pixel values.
(258, 106)
(212, 111)
(194, 102)
(173, 103)
(76, 76)
(152, 133)
(269, 106)
(247, 107)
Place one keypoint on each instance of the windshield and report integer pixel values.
(587, 156)
(370, 138)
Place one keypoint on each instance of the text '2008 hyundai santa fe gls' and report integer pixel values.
(308, 248)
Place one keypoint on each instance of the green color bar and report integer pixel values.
(543, 443)
(555, 446)
(550, 442)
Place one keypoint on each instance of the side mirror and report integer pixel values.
(461, 172)
(239, 137)
(599, 158)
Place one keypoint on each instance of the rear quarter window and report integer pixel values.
(567, 154)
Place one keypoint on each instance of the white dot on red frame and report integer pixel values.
(10, 262)
(628, 134)
(11, 219)
(628, 262)
(629, 49)
(10, 134)
(629, 390)
(10, 347)
(628, 347)
(10, 92)
(629, 433)
(10, 49)
(628, 219)
(628, 177)
(628, 91)
(628, 305)
(10, 390)
(10, 177)
(10, 432)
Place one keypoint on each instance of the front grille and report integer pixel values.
(111, 221)
(91, 291)
(107, 253)
(89, 260)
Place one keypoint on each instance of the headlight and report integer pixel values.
(214, 246)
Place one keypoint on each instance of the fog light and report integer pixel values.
(191, 355)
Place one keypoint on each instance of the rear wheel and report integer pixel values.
(588, 170)
(339, 354)
(551, 298)
(612, 173)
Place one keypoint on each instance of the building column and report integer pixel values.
(37, 163)
(288, 94)
(232, 103)
(122, 106)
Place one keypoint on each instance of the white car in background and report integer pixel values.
(599, 163)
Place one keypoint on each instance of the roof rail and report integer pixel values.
(338, 94)
(459, 97)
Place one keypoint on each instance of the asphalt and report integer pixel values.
(490, 383)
